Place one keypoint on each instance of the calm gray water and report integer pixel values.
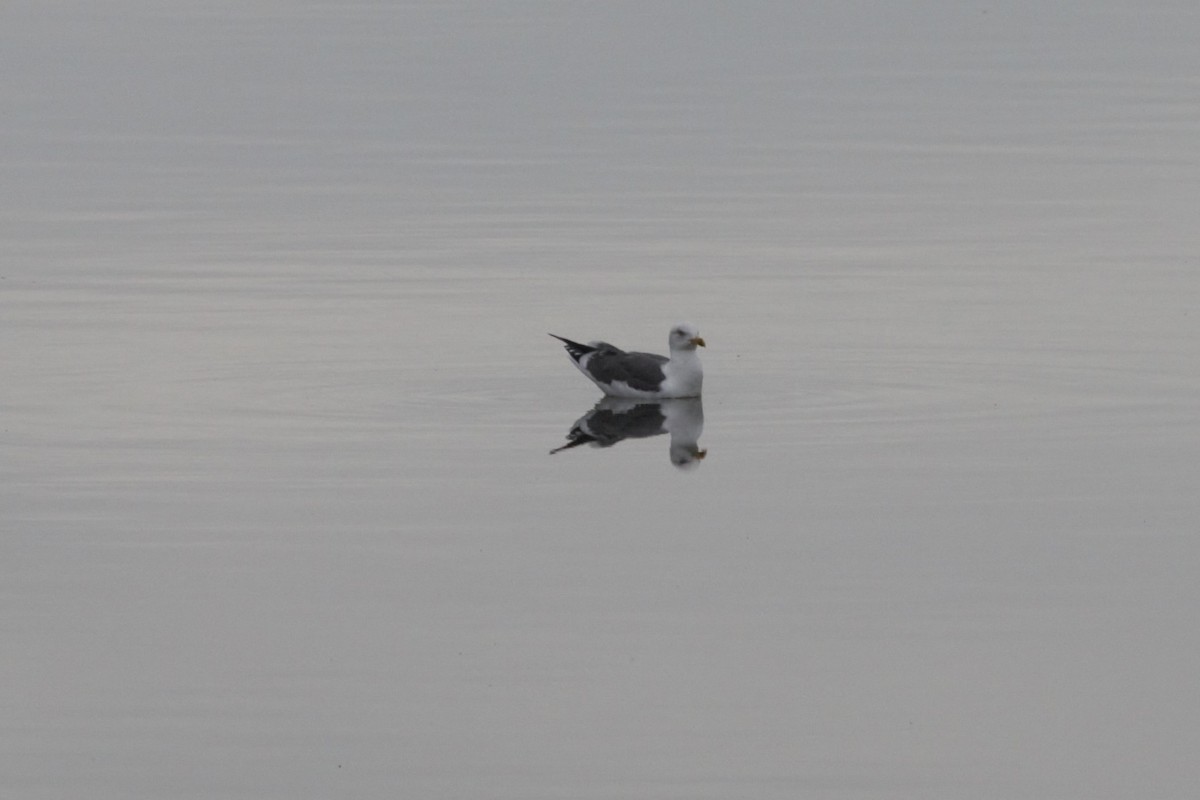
(279, 514)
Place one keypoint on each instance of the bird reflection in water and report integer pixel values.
(615, 419)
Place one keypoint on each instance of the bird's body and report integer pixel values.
(642, 375)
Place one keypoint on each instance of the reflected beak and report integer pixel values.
(700, 454)
(697, 340)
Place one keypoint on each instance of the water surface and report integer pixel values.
(280, 517)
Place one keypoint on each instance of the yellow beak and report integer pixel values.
(697, 340)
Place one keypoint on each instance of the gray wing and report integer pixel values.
(641, 371)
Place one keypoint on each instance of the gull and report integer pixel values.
(642, 375)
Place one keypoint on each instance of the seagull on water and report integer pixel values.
(643, 375)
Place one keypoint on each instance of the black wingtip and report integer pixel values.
(574, 349)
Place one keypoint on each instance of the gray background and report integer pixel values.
(278, 515)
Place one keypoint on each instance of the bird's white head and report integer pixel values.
(684, 336)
